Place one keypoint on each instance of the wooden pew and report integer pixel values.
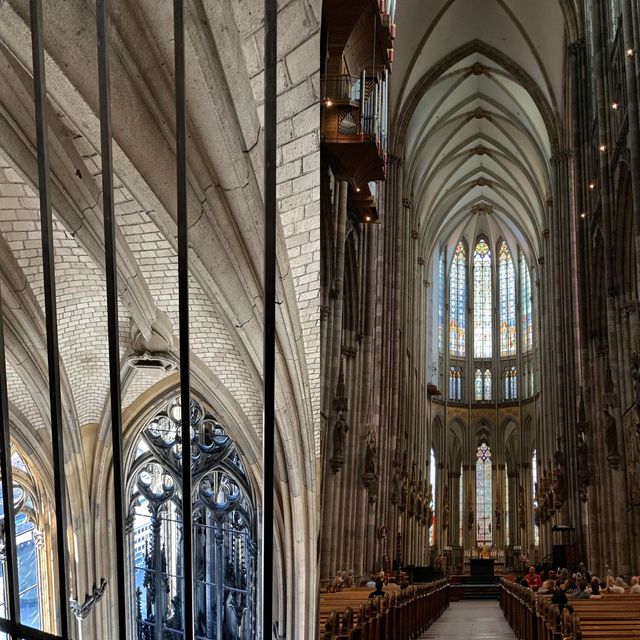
(402, 615)
(534, 617)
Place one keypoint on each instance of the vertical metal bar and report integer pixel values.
(270, 212)
(112, 308)
(7, 488)
(57, 432)
(183, 301)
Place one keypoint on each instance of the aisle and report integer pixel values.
(467, 619)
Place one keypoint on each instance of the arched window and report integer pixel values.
(29, 545)
(455, 384)
(482, 385)
(441, 270)
(432, 480)
(511, 384)
(484, 497)
(534, 482)
(482, 325)
(526, 328)
(224, 529)
(507, 284)
(487, 384)
(458, 302)
(479, 386)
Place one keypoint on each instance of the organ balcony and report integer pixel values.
(354, 127)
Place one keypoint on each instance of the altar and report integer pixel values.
(481, 566)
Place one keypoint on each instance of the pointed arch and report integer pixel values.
(482, 300)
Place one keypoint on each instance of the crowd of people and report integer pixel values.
(581, 585)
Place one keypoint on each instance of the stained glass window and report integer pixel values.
(455, 383)
(525, 306)
(484, 497)
(441, 270)
(458, 302)
(478, 384)
(514, 384)
(224, 530)
(29, 546)
(487, 384)
(482, 325)
(534, 481)
(507, 290)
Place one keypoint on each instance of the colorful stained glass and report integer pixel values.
(478, 383)
(458, 302)
(487, 384)
(507, 291)
(514, 384)
(441, 270)
(484, 496)
(525, 306)
(482, 324)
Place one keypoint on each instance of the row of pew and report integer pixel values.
(534, 617)
(351, 615)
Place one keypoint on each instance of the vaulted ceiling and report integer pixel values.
(477, 94)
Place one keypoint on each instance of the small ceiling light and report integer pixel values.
(367, 219)
(357, 188)
(603, 147)
(328, 103)
(583, 215)
(615, 106)
(592, 185)
(630, 52)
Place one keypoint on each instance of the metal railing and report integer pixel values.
(12, 625)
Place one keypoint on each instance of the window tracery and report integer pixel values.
(458, 302)
(484, 497)
(29, 547)
(482, 321)
(507, 288)
(224, 529)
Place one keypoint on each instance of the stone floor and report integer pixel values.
(471, 619)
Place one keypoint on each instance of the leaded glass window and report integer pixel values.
(487, 384)
(484, 497)
(458, 302)
(441, 270)
(29, 546)
(525, 306)
(479, 386)
(224, 530)
(455, 383)
(511, 384)
(482, 325)
(507, 290)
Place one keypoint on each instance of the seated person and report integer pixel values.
(635, 585)
(581, 592)
(595, 589)
(615, 586)
(378, 593)
(371, 583)
(533, 579)
(547, 586)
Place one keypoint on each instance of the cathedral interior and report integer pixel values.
(454, 316)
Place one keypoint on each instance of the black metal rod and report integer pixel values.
(183, 302)
(22, 632)
(57, 431)
(111, 272)
(7, 488)
(269, 362)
